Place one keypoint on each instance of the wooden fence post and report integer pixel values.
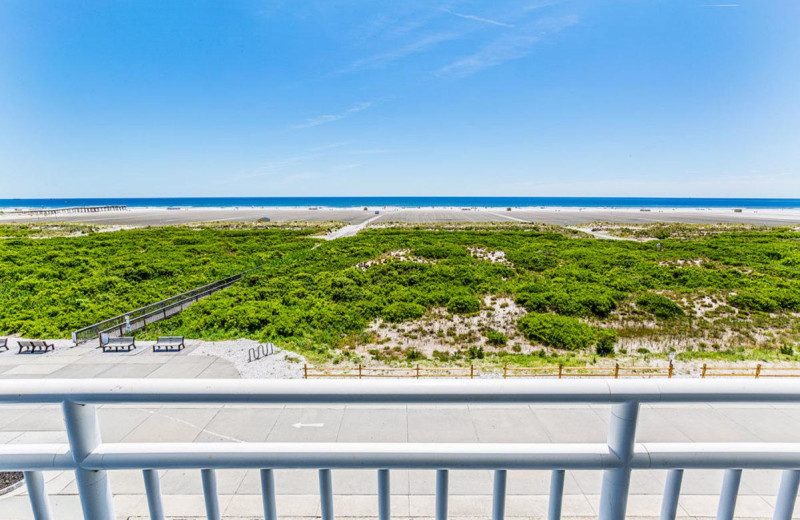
(305, 371)
(418, 371)
(616, 371)
(758, 370)
(359, 371)
(703, 373)
(560, 369)
(669, 373)
(471, 371)
(505, 371)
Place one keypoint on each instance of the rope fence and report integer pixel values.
(560, 371)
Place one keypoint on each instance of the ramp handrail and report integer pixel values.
(119, 324)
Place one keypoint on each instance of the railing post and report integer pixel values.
(83, 432)
(505, 371)
(209, 478)
(359, 371)
(326, 494)
(268, 494)
(305, 370)
(758, 370)
(560, 369)
(616, 371)
(672, 492)
(384, 495)
(556, 494)
(703, 373)
(417, 371)
(730, 491)
(34, 483)
(152, 488)
(787, 495)
(499, 497)
(616, 481)
(671, 368)
(441, 494)
(471, 371)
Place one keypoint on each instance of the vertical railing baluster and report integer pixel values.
(787, 495)
(34, 482)
(672, 492)
(499, 498)
(268, 494)
(616, 481)
(556, 494)
(152, 487)
(326, 494)
(209, 477)
(94, 487)
(730, 491)
(384, 495)
(441, 494)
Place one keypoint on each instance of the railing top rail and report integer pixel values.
(101, 391)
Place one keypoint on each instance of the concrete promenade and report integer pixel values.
(413, 491)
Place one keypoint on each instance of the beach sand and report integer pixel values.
(549, 215)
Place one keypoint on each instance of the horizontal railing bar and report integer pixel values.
(33, 457)
(226, 391)
(337, 455)
(717, 455)
(283, 455)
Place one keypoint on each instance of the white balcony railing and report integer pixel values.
(90, 458)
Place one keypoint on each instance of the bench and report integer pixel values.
(32, 346)
(4, 343)
(117, 344)
(169, 344)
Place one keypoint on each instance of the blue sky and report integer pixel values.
(299, 98)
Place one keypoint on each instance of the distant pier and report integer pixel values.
(77, 209)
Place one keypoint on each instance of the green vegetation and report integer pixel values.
(496, 338)
(464, 305)
(660, 306)
(561, 332)
(706, 291)
(605, 342)
(50, 287)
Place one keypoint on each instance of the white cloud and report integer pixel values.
(330, 118)
(301, 176)
(420, 45)
(480, 19)
(507, 48)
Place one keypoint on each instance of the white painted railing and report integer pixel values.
(90, 458)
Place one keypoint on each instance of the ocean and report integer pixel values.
(410, 202)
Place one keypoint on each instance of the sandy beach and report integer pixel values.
(567, 216)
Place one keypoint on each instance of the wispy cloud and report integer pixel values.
(507, 48)
(543, 4)
(312, 163)
(301, 176)
(330, 118)
(479, 19)
(420, 45)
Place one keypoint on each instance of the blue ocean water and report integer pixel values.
(410, 202)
